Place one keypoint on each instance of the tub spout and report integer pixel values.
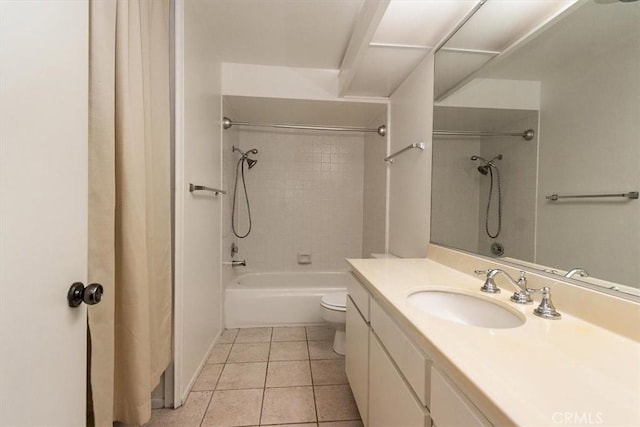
(236, 263)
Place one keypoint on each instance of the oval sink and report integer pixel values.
(465, 309)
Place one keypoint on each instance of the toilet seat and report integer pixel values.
(336, 301)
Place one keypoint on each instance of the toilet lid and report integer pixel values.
(337, 301)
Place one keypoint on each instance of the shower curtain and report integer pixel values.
(129, 206)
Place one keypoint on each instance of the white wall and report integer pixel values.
(279, 82)
(410, 186)
(374, 212)
(589, 144)
(198, 300)
(306, 195)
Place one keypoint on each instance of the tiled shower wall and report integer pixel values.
(459, 192)
(518, 170)
(306, 197)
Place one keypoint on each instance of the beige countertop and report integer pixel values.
(545, 372)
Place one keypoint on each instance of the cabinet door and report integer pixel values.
(357, 358)
(449, 407)
(391, 402)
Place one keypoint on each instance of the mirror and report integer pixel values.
(575, 82)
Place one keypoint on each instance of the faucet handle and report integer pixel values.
(546, 310)
(489, 285)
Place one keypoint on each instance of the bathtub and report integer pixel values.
(277, 299)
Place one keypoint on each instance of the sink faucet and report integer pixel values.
(546, 310)
(579, 271)
(522, 294)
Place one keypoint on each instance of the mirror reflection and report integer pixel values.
(557, 113)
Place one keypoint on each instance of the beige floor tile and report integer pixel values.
(328, 372)
(256, 352)
(335, 403)
(288, 405)
(254, 335)
(242, 375)
(293, 350)
(188, 415)
(228, 336)
(219, 353)
(357, 423)
(288, 374)
(234, 408)
(319, 350)
(320, 333)
(208, 378)
(289, 334)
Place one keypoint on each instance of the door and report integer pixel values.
(43, 211)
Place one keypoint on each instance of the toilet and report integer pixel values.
(334, 311)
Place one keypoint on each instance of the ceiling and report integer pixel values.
(374, 43)
(290, 33)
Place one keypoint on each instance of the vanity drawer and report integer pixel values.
(391, 401)
(360, 297)
(413, 364)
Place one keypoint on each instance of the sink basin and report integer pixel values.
(465, 309)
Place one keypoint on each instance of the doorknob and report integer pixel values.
(90, 295)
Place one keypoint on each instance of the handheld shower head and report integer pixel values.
(488, 164)
(484, 169)
(250, 162)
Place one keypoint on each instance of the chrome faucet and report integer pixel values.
(546, 310)
(522, 294)
(579, 271)
(236, 263)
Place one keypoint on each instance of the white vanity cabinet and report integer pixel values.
(391, 400)
(450, 407)
(383, 395)
(357, 358)
(394, 381)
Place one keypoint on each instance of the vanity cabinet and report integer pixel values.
(391, 401)
(357, 358)
(393, 380)
(450, 407)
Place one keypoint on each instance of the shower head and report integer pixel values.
(488, 164)
(250, 162)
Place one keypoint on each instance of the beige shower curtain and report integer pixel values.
(129, 206)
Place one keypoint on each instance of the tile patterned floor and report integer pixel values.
(269, 376)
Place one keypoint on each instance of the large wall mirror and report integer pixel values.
(518, 127)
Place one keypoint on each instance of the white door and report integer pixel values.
(43, 211)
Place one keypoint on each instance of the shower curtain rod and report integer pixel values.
(526, 135)
(380, 130)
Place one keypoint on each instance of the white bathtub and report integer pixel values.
(277, 299)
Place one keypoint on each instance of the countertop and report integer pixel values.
(545, 372)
